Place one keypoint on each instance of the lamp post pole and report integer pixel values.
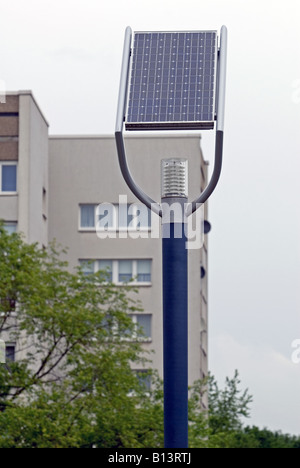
(175, 303)
(175, 282)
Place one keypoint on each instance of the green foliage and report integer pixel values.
(221, 426)
(72, 383)
(227, 406)
(253, 437)
(217, 426)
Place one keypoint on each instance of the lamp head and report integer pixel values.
(174, 178)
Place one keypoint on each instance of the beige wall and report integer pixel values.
(9, 207)
(32, 171)
(56, 175)
(86, 170)
(24, 139)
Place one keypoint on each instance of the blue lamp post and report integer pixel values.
(173, 81)
(175, 302)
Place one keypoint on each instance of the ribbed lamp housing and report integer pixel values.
(174, 178)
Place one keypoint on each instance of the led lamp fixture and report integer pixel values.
(174, 178)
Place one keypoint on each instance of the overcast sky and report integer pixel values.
(68, 52)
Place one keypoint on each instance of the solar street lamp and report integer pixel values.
(173, 81)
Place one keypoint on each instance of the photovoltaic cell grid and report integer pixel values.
(172, 81)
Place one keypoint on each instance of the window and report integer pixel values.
(143, 323)
(106, 265)
(87, 216)
(125, 271)
(137, 270)
(120, 271)
(138, 217)
(8, 177)
(108, 216)
(143, 271)
(10, 227)
(87, 267)
(144, 378)
(10, 352)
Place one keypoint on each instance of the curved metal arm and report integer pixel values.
(123, 80)
(138, 192)
(220, 124)
(214, 178)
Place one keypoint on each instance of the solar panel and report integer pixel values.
(172, 81)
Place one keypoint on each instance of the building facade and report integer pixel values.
(70, 188)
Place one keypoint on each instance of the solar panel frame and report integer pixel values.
(172, 80)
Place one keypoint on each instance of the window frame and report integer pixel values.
(132, 210)
(133, 281)
(116, 226)
(86, 228)
(8, 163)
(114, 217)
(115, 270)
(147, 378)
(139, 338)
(12, 224)
(10, 357)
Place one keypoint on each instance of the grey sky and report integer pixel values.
(69, 53)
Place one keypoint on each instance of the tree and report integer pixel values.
(221, 426)
(254, 437)
(217, 426)
(227, 406)
(72, 383)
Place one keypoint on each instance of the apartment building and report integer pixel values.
(24, 167)
(70, 188)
